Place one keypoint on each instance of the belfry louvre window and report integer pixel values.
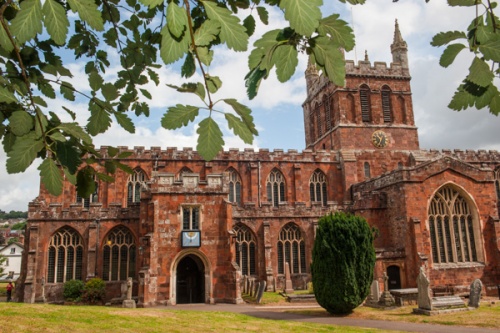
(386, 104)
(328, 113)
(364, 96)
(136, 182)
(275, 187)
(190, 218)
(317, 187)
(65, 256)
(452, 227)
(234, 187)
(245, 249)
(319, 120)
(119, 255)
(291, 250)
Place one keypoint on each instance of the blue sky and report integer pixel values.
(277, 108)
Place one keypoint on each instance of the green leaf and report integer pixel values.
(189, 67)
(85, 183)
(55, 21)
(263, 14)
(68, 155)
(461, 100)
(76, 131)
(239, 128)
(479, 73)
(252, 81)
(303, 15)
(232, 32)
(5, 42)
(152, 3)
(200, 90)
(450, 53)
(99, 120)
(67, 91)
(210, 140)
(213, 83)
(172, 49)
(70, 177)
(485, 99)
(206, 56)
(285, 57)
(146, 93)
(462, 3)
(95, 80)
(8, 141)
(178, 116)
(331, 59)
(176, 19)
(21, 123)
(110, 92)
(41, 122)
(28, 21)
(88, 11)
(206, 33)
(23, 152)
(495, 105)
(244, 112)
(249, 24)
(125, 122)
(338, 31)
(71, 113)
(491, 48)
(443, 38)
(51, 176)
(6, 96)
(105, 177)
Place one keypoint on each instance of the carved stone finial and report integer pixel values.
(366, 56)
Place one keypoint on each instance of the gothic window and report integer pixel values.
(291, 250)
(190, 218)
(386, 104)
(319, 120)
(317, 187)
(453, 227)
(367, 170)
(234, 187)
(245, 249)
(119, 255)
(328, 113)
(136, 182)
(94, 197)
(275, 187)
(65, 256)
(364, 96)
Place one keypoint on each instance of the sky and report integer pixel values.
(277, 108)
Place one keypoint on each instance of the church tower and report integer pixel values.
(373, 110)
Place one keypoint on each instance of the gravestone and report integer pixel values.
(255, 289)
(475, 293)
(129, 302)
(374, 296)
(261, 290)
(251, 286)
(288, 281)
(424, 299)
(386, 299)
(244, 284)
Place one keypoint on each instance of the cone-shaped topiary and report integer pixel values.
(343, 260)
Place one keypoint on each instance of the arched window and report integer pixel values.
(317, 187)
(119, 255)
(452, 227)
(367, 170)
(364, 96)
(234, 187)
(275, 187)
(136, 182)
(291, 250)
(65, 256)
(245, 249)
(328, 112)
(386, 104)
(319, 120)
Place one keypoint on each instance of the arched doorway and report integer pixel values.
(394, 277)
(190, 280)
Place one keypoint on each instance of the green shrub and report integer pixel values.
(94, 291)
(73, 290)
(343, 260)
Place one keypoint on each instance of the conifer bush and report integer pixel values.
(343, 260)
(94, 291)
(72, 290)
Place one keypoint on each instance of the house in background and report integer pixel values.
(12, 266)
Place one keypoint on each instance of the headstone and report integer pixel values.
(129, 302)
(123, 290)
(375, 291)
(424, 292)
(386, 298)
(475, 293)
(244, 284)
(288, 280)
(255, 289)
(251, 286)
(260, 293)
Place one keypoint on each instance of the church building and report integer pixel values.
(187, 231)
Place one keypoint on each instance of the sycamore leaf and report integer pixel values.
(263, 15)
(450, 53)
(232, 32)
(21, 123)
(23, 152)
(76, 131)
(479, 73)
(28, 21)
(56, 21)
(68, 155)
(88, 11)
(244, 112)
(303, 15)
(99, 120)
(210, 140)
(338, 31)
(213, 83)
(6, 96)
(125, 122)
(285, 57)
(206, 33)
(331, 59)
(491, 48)
(178, 116)
(239, 128)
(176, 19)
(444, 38)
(172, 49)
(51, 176)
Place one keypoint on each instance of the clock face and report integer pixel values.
(190, 239)
(380, 139)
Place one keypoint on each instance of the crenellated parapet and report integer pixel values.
(286, 210)
(378, 69)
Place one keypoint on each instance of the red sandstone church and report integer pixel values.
(187, 230)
